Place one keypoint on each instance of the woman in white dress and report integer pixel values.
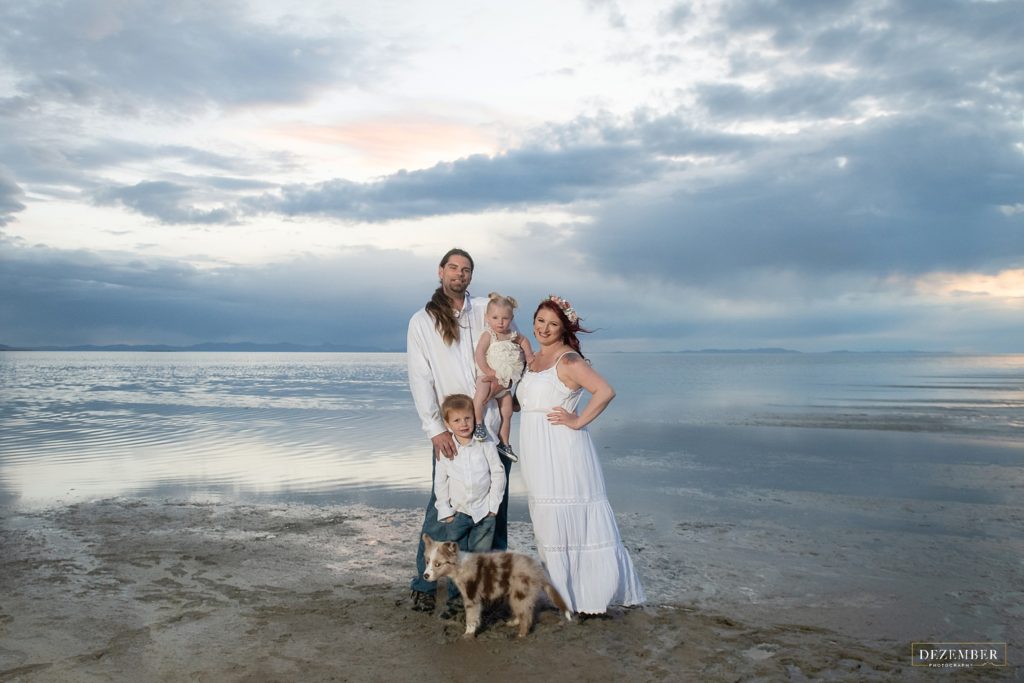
(573, 523)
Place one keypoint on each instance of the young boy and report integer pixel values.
(469, 487)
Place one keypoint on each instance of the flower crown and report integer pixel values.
(566, 307)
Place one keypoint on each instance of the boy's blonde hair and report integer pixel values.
(456, 402)
(495, 299)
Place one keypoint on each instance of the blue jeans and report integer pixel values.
(439, 531)
(472, 537)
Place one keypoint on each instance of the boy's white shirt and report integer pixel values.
(437, 370)
(473, 482)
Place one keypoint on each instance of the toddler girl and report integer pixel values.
(501, 353)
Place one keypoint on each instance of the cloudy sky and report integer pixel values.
(812, 175)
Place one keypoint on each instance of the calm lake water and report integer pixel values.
(322, 427)
(878, 495)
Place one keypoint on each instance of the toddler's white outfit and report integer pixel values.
(506, 358)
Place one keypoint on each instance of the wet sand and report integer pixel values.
(144, 590)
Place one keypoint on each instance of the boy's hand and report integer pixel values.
(491, 514)
(448, 520)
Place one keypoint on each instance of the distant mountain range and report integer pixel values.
(785, 351)
(285, 347)
(250, 347)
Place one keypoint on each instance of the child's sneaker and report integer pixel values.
(480, 433)
(506, 450)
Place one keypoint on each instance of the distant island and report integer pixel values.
(777, 350)
(764, 350)
(287, 347)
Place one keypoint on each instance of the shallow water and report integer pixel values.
(876, 494)
(286, 426)
(341, 426)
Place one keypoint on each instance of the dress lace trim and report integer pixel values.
(582, 546)
(567, 501)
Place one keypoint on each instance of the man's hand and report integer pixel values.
(444, 445)
(494, 384)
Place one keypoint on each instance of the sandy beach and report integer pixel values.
(147, 590)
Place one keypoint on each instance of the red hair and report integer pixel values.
(569, 328)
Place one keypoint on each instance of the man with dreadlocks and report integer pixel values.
(440, 350)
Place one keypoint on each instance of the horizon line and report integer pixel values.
(332, 347)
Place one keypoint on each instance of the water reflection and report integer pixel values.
(107, 424)
(978, 395)
(86, 425)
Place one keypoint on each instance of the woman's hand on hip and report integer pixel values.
(561, 416)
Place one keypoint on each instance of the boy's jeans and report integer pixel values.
(438, 531)
(472, 537)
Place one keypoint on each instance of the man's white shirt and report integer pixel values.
(473, 482)
(437, 370)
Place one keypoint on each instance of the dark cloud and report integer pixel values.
(656, 135)
(71, 297)
(677, 16)
(112, 152)
(907, 196)
(39, 164)
(172, 55)
(582, 160)
(585, 160)
(71, 64)
(165, 201)
(66, 167)
(360, 296)
(804, 97)
(901, 158)
(10, 194)
(364, 297)
(474, 184)
(838, 59)
(788, 20)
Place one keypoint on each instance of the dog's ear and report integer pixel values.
(452, 547)
(427, 540)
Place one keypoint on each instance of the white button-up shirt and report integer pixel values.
(473, 482)
(437, 370)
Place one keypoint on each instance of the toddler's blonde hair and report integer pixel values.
(496, 299)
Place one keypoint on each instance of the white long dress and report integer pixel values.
(573, 523)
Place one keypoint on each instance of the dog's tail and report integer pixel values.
(557, 601)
